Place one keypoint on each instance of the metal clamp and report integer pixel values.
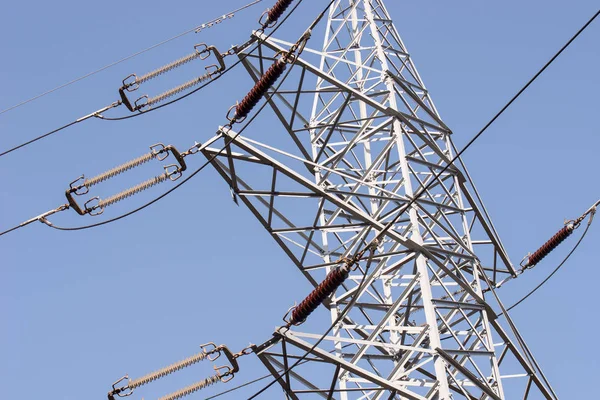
(69, 194)
(122, 391)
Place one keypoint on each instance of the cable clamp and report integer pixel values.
(287, 320)
(173, 171)
(230, 370)
(122, 391)
(94, 209)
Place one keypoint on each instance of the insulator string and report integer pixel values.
(159, 71)
(277, 11)
(332, 281)
(555, 269)
(550, 245)
(131, 191)
(119, 169)
(259, 89)
(167, 370)
(169, 93)
(192, 388)
(199, 169)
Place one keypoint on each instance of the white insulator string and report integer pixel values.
(180, 88)
(134, 190)
(192, 388)
(166, 68)
(119, 169)
(167, 370)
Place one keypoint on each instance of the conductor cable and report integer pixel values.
(97, 113)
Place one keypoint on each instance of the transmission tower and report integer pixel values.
(359, 139)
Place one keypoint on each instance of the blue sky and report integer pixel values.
(80, 309)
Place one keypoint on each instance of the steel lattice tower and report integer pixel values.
(359, 137)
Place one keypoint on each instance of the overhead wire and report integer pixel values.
(78, 120)
(238, 387)
(195, 29)
(204, 165)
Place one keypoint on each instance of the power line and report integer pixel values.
(195, 29)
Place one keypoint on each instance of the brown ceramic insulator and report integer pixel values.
(260, 88)
(332, 281)
(550, 245)
(277, 10)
